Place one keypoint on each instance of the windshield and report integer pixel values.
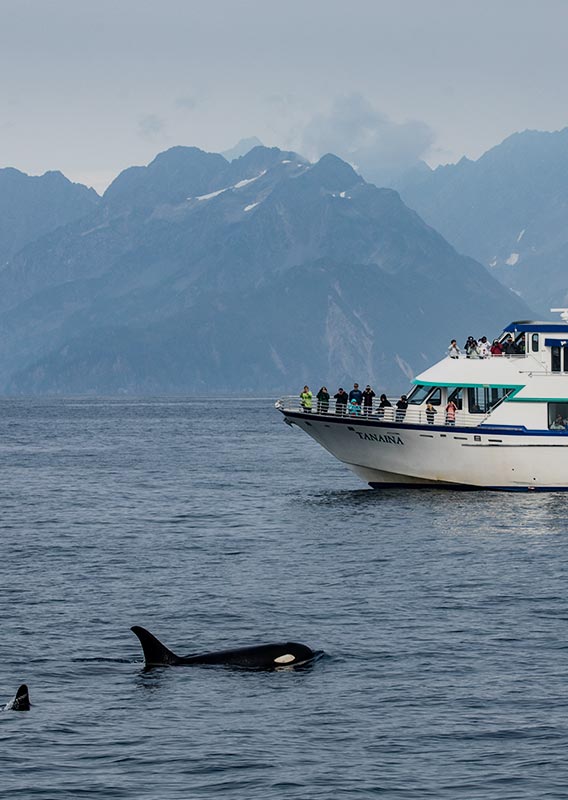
(419, 394)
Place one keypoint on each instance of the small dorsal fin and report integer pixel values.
(21, 701)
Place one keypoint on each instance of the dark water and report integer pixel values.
(444, 616)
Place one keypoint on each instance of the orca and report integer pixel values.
(264, 656)
(21, 701)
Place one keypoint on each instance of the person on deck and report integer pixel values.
(430, 413)
(341, 401)
(473, 350)
(484, 347)
(401, 406)
(510, 348)
(368, 395)
(469, 343)
(453, 349)
(356, 394)
(383, 403)
(496, 348)
(306, 399)
(451, 409)
(354, 408)
(323, 401)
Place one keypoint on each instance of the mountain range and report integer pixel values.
(200, 275)
(508, 209)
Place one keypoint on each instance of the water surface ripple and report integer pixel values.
(444, 616)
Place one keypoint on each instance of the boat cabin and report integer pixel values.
(530, 379)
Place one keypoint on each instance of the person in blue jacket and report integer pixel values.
(356, 395)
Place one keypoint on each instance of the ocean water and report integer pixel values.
(444, 616)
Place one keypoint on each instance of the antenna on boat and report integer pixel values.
(562, 311)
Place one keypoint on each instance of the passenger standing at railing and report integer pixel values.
(368, 395)
(354, 408)
(383, 403)
(430, 413)
(469, 343)
(484, 348)
(306, 399)
(453, 349)
(473, 350)
(356, 394)
(341, 402)
(323, 400)
(451, 409)
(401, 406)
(510, 348)
(496, 349)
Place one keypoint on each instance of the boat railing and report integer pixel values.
(412, 415)
(512, 356)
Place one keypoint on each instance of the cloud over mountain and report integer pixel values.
(378, 147)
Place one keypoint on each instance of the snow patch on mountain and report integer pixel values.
(512, 260)
(277, 361)
(246, 182)
(210, 195)
(238, 185)
(404, 366)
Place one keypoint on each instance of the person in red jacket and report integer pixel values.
(496, 349)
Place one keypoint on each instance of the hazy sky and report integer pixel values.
(92, 86)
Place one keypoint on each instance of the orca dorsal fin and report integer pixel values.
(155, 653)
(21, 701)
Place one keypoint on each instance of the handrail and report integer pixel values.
(463, 355)
(412, 416)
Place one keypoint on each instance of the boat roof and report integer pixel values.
(474, 372)
(530, 326)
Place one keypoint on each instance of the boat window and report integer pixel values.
(481, 399)
(436, 397)
(555, 359)
(534, 343)
(418, 395)
(565, 359)
(558, 416)
(457, 397)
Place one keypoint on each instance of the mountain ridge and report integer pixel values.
(195, 274)
(508, 209)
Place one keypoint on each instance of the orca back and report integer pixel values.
(264, 656)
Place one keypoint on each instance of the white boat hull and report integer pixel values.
(389, 454)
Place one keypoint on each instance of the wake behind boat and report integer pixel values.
(508, 428)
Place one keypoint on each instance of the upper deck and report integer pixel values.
(543, 355)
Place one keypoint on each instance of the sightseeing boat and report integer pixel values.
(509, 429)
